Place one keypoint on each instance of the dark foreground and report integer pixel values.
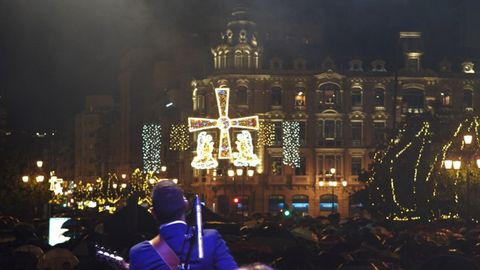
(283, 243)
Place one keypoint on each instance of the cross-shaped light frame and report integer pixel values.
(224, 123)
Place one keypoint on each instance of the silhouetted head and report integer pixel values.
(168, 201)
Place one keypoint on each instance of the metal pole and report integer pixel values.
(468, 196)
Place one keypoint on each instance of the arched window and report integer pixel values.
(276, 96)
(468, 99)
(300, 203)
(276, 203)
(329, 95)
(328, 202)
(242, 95)
(414, 100)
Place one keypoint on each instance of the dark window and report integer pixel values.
(467, 99)
(356, 165)
(276, 96)
(243, 203)
(242, 97)
(276, 203)
(378, 132)
(328, 202)
(379, 98)
(414, 101)
(277, 166)
(329, 129)
(303, 133)
(356, 97)
(278, 133)
(302, 170)
(356, 133)
(328, 94)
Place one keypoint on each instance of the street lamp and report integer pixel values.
(332, 183)
(25, 178)
(40, 178)
(469, 156)
(39, 163)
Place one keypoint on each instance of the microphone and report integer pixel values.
(198, 210)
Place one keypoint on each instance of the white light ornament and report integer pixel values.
(245, 156)
(151, 147)
(204, 158)
(56, 185)
(291, 143)
(224, 123)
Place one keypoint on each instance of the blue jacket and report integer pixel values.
(216, 254)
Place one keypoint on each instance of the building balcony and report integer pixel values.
(329, 142)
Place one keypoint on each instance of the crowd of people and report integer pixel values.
(297, 242)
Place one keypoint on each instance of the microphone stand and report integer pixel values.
(199, 235)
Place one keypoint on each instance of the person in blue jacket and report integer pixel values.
(169, 206)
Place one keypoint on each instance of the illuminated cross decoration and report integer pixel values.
(223, 123)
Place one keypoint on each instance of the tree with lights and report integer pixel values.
(408, 179)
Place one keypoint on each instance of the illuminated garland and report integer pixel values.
(266, 134)
(179, 138)
(151, 147)
(291, 143)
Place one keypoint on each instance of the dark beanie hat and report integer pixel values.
(168, 202)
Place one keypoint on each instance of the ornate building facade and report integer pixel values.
(343, 115)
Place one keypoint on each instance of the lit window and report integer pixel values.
(328, 202)
(300, 99)
(445, 99)
(276, 203)
(300, 203)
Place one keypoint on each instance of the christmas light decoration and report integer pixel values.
(179, 138)
(151, 147)
(245, 156)
(224, 123)
(204, 158)
(291, 143)
(266, 134)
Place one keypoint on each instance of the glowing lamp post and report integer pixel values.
(469, 156)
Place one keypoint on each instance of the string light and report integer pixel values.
(266, 134)
(291, 143)
(151, 147)
(179, 138)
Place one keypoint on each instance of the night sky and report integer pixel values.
(54, 52)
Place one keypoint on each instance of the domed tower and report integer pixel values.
(239, 48)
